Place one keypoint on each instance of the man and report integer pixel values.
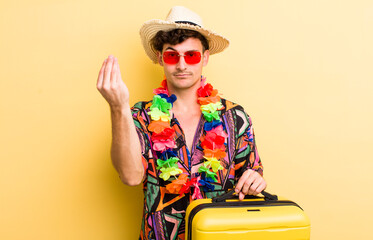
(187, 143)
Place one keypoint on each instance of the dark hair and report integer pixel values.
(176, 36)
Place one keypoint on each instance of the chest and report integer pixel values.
(189, 124)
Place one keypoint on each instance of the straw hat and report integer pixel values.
(182, 18)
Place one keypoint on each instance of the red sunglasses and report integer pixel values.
(190, 57)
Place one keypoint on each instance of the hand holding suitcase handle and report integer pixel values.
(231, 194)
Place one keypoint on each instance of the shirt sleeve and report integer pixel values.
(247, 156)
(138, 113)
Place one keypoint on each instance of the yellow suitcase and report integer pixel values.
(268, 218)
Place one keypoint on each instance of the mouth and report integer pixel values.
(182, 75)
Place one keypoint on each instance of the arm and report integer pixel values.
(125, 148)
(251, 182)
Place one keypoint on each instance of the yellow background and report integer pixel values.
(302, 70)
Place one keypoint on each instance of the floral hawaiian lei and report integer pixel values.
(163, 140)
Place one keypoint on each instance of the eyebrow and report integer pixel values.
(171, 48)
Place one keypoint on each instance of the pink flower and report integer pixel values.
(197, 192)
(162, 89)
(212, 141)
(219, 131)
(163, 140)
(163, 145)
(166, 134)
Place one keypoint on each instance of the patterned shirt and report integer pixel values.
(163, 215)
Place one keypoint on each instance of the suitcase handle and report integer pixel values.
(231, 194)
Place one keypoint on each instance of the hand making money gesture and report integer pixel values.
(110, 84)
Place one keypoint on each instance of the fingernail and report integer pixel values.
(236, 190)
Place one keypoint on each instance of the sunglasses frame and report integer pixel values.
(182, 55)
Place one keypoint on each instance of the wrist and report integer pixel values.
(124, 109)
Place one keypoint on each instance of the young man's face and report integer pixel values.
(183, 75)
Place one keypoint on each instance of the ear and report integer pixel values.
(159, 57)
(206, 56)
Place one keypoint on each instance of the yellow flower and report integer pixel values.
(168, 172)
(212, 107)
(157, 115)
(213, 163)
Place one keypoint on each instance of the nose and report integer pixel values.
(181, 65)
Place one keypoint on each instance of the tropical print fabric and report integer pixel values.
(164, 212)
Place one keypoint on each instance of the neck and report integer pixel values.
(186, 99)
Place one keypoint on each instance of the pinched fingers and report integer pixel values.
(108, 72)
(100, 77)
(110, 84)
(108, 75)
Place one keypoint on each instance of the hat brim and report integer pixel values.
(149, 29)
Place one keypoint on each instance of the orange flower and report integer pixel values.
(175, 186)
(158, 126)
(216, 153)
(207, 100)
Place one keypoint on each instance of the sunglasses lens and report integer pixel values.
(171, 57)
(192, 57)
